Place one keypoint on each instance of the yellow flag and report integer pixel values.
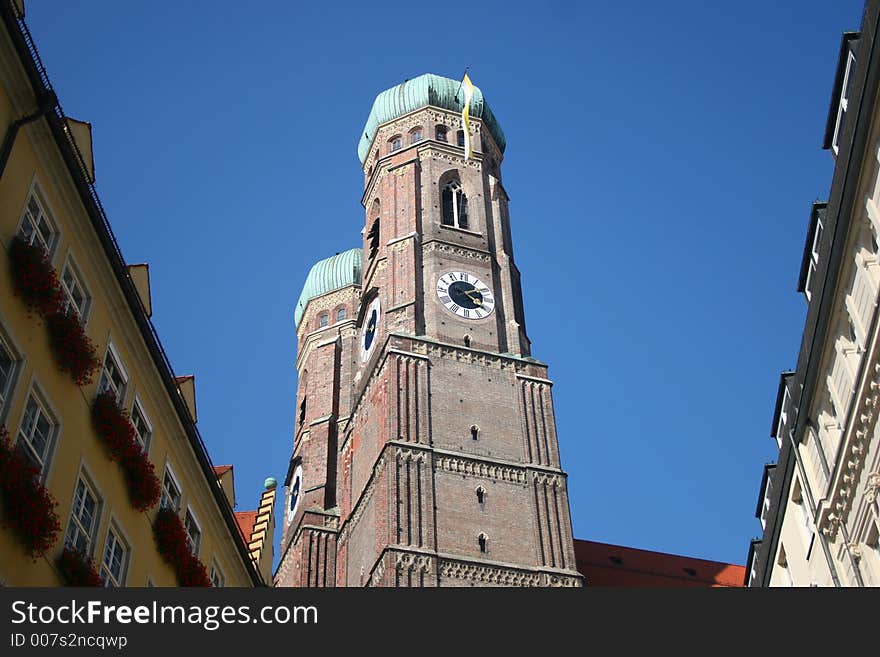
(468, 87)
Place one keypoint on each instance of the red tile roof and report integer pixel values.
(246, 520)
(603, 564)
(220, 470)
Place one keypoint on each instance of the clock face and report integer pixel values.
(295, 490)
(371, 326)
(465, 295)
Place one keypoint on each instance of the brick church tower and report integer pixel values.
(425, 450)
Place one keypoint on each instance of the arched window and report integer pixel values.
(483, 542)
(481, 495)
(373, 240)
(454, 205)
(475, 432)
(415, 135)
(467, 341)
(461, 137)
(441, 133)
(323, 320)
(396, 143)
(340, 314)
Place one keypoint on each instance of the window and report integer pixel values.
(193, 532)
(302, 411)
(36, 434)
(340, 314)
(765, 508)
(783, 417)
(75, 293)
(475, 432)
(217, 577)
(141, 425)
(441, 133)
(814, 260)
(483, 542)
(83, 518)
(460, 136)
(114, 563)
(415, 136)
(8, 374)
(36, 226)
(396, 143)
(373, 239)
(454, 205)
(844, 103)
(481, 495)
(170, 491)
(113, 376)
(323, 320)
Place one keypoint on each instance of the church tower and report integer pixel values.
(425, 449)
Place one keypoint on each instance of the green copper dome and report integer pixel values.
(427, 89)
(328, 275)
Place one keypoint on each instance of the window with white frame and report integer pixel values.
(765, 507)
(454, 205)
(113, 375)
(843, 106)
(36, 434)
(170, 491)
(783, 416)
(76, 296)
(115, 561)
(83, 518)
(193, 532)
(814, 260)
(218, 579)
(8, 374)
(141, 424)
(36, 226)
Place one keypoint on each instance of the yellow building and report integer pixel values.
(90, 415)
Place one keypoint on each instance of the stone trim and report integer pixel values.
(462, 251)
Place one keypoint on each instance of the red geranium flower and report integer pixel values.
(28, 508)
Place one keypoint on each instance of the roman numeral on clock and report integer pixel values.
(445, 300)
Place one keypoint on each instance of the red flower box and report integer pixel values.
(171, 540)
(33, 277)
(36, 283)
(74, 351)
(77, 569)
(28, 508)
(116, 430)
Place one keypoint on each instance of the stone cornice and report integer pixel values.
(456, 249)
(853, 448)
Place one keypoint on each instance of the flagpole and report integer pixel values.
(461, 82)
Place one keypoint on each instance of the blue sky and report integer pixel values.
(661, 164)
